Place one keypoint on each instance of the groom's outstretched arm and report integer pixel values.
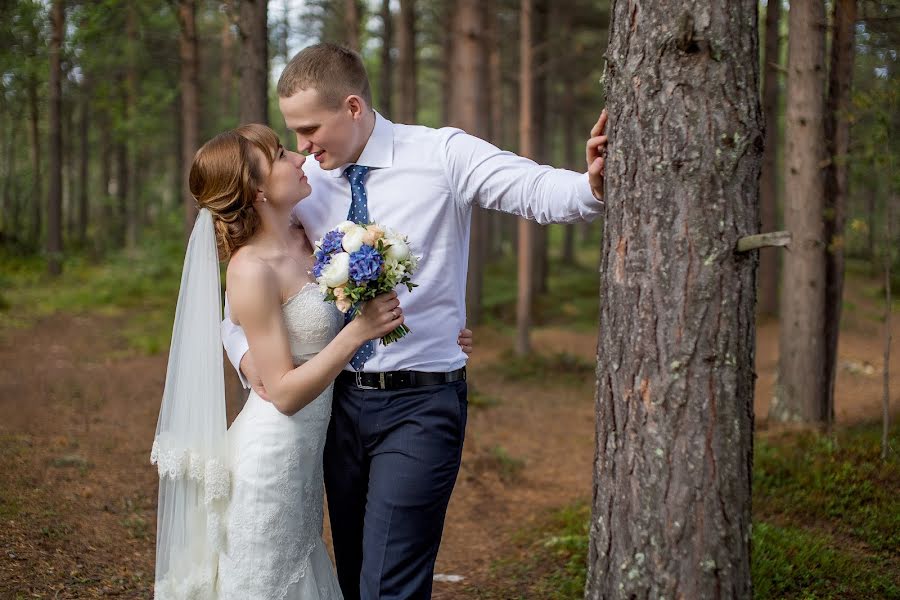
(480, 173)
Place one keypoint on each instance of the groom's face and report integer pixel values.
(328, 134)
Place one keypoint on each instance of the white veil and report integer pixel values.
(190, 448)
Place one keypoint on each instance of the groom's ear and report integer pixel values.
(356, 106)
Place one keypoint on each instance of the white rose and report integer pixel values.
(337, 272)
(345, 226)
(397, 250)
(353, 239)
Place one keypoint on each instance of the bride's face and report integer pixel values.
(286, 183)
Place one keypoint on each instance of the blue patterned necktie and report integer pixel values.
(359, 213)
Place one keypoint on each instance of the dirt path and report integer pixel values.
(77, 416)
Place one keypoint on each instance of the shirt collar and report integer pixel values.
(379, 150)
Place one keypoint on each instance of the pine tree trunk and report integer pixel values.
(801, 395)
(37, 193)
(387, 64)
(540, 154)
(226, 73)
(253, 103)
(407, 96)
(768, 189)
(351, 24)
(466, 101)
(449, 9)
(527, 147)
(83, 164)
(837, 133)
(675, 364)
(190, 105)
(132, 193)
(54, 196)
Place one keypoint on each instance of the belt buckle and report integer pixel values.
(381, 385)
(359, 382)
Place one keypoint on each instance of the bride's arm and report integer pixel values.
(255, 300)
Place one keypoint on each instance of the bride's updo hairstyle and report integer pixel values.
(225, 176)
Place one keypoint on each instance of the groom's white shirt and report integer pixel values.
(423, 184)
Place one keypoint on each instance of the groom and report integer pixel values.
(399, 415)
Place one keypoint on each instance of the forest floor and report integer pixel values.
(78, 410)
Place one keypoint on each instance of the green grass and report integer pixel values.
(555, 369)
(826, 525)
(140, 285)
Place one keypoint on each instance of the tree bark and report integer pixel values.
(837, 141)
(387, 64)
(37, 193)
(54, 196)
(800, 395)
(466, 101)
(133, 211)
(540, 58)
(407, 97)
(527, 147)
(253, 101)
(83, 164)
(671, 507)
(226, 72)
(190, 105)
(768, 190)
(351, 24)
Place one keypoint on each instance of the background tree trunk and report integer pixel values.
(800, 395)
(253, 103)
(54, 196)
(37, 193)
(387, 64)
(84, 214)
(407, 99)
(837, 141)
(539, 153)
(768, 189)
(675, 366)
(132, 80)
(190, 105)
(469, 73)
(226, 72)
(351, 24)
(528, 136)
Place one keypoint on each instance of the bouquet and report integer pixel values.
(355, 263)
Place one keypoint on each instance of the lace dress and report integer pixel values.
(273, 525)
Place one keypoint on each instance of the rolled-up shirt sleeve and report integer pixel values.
(480, 173)
(235, 342)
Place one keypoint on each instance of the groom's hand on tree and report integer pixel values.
(248, 368)
(596, 155)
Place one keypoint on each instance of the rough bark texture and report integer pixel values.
(54, 196)
(387, 64)
(671, 512)
(527, 147)
(800, 395)
(253, 105)
(407, 98)
(190, 105)
(768, 185)
(837, 140)
(466, 99)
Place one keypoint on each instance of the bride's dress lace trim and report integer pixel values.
(210, 472)
(199, 585)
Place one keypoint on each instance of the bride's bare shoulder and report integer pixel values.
(250, 282)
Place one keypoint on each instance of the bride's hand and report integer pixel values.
(379, 316)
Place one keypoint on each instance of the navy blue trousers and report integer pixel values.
(391, 461)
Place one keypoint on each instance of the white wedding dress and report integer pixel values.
(273, 524)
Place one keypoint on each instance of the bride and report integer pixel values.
(240, 511)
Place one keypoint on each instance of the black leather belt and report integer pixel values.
(395, 380)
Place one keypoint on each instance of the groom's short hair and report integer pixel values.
(333, 71)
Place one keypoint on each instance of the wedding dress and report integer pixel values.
(273, 524)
